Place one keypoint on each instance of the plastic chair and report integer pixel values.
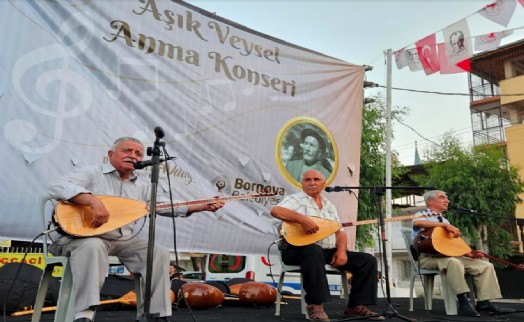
(65, 308)
(428, 275)
(296, 269)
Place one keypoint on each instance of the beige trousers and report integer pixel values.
(483, 272)
(90, 265)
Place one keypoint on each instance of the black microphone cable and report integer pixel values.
(193, 317)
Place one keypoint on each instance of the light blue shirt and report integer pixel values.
(305, 205)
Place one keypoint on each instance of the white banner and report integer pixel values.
(233, 103)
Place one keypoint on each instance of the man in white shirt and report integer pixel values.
(89, 256)
(332, 250)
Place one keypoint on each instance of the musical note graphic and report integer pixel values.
(59, 87)
(145, 71)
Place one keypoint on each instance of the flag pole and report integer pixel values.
(388, 208)
(385, 228)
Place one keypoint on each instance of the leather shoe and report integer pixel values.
(83, 320)
(163, 319)
(467, 310)
(159, 319)
(316, 312)
(490, 307)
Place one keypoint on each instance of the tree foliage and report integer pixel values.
(479, 179)
(373, 162)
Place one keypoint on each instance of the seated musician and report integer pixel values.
(89, 256)
(173, 271)
(332, 250)
(483, 272)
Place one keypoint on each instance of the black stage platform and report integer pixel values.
(233, 311)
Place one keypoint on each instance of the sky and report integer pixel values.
(361, 31)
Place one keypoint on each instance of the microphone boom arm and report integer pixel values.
(375, 188)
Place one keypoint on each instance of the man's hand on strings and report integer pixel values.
(99, 213)
(100, 216)
(454, 231)
(474, 254)
(309, 226)
(214, 206)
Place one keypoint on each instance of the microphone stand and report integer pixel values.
(155, 169)
(379, 192)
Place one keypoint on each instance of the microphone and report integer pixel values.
(333, 189)
(142, 164)
(159, 133)
(462, 209)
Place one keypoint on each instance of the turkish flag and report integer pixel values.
(427, 53)
(499, 11)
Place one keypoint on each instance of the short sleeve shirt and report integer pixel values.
(306, 205)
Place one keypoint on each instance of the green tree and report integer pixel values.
(477, 178)
(373, 162)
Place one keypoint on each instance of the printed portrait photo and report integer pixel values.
(305, 144)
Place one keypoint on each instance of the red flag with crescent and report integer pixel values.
(427, 53)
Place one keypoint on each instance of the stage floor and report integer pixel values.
(233, 311)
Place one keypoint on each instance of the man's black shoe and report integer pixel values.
(467, 310)
(156, 318)
(83, 320)
(490, 307)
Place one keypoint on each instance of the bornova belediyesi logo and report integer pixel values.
(248, 187)
(222, 184)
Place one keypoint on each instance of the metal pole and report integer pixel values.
(388, 206)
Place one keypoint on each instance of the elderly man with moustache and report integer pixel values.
(332, 250)
(89, 255)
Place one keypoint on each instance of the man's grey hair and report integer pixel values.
(432, 194)
(321, 175)
(125, 138)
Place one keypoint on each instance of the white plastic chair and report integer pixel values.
(428, 275)
(344, 292)
(65, 308)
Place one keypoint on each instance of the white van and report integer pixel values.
(224, 267)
